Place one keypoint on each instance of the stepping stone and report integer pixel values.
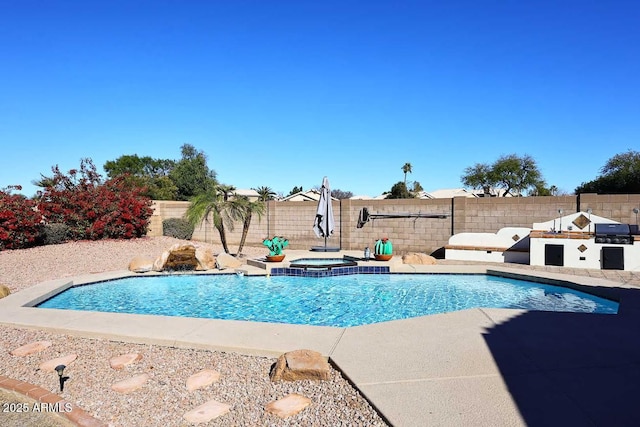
(119, 362)
(50, 365)
(31, 348)
(207, 411)
(301, 365)
(131, 384)
(202, 379)
(288, 405)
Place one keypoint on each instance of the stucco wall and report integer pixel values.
(294, 220)
(591, 257)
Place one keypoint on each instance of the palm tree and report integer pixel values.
(266, 193)
(406, 169)
(226, 190)
(215, 201)
(248, 209)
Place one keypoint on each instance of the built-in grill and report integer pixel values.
(613, 233)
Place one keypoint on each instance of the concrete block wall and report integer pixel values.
(406, 234)
(294, 220)
(155, 226)
(618, 207)
(206, 232)
(488, 215)
(164, 209)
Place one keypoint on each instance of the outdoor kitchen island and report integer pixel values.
(583, 242)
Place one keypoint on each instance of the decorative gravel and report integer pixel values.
(163, 400)
(20, 269)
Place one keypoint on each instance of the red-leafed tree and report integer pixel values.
(20, 221)
(93, 209)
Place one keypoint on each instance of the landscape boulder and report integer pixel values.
(206, 259)
(418, 258)
(141, 264)
(4, 291)
(301, 365)
(185, 256)
(178, 257)
(224, 261)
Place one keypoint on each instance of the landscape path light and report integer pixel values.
(60, 371)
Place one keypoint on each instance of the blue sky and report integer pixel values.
(282, 93)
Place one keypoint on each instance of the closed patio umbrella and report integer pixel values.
(324, 222)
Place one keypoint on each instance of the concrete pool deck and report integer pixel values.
(472, 367)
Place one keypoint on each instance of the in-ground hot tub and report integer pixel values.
(322, 263)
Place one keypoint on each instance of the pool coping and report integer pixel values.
(349, 349)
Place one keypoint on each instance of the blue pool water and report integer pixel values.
(332, 301)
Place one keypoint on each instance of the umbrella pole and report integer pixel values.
(326, 231)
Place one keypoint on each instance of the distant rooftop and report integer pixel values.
(444, 193)
(250, 192)
(312, 195)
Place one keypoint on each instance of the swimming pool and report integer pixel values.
(332, 301)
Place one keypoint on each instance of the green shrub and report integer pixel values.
(178, 228)
(55, 233)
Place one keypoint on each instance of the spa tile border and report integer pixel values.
(329, 271)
